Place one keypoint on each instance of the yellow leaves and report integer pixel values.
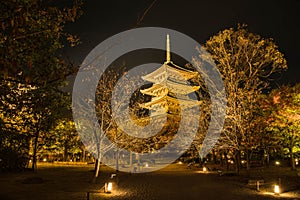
(276, 99)
(73, 39)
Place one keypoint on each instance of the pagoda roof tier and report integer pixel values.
(168, 100)
(161, 118)
(170, 69)
(163, 87)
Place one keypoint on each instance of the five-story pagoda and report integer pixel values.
(170, 89)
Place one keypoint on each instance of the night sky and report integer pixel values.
(195, 18)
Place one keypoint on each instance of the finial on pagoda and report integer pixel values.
(168, 49)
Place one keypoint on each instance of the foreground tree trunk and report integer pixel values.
(97, 170)
(35, 147)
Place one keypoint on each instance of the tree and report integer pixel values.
(284, 121)
(62, 139)
(32, 33)
(15, 136)
(100, 135)
(247, 62)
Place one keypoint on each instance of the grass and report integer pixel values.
(288, 180)
(51, 181)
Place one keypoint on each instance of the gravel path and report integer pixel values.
(174, 182)
(182, 186)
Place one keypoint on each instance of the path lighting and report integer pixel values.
(108, 187)
(204, 169)
(180, 163)
(277, 163)
(146, 165)
(276, 189)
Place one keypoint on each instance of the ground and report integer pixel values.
(63, 182)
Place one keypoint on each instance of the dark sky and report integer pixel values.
(196, 18)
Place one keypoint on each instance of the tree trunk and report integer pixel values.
(293, 166)
(214, 156)
(201, 162)
(117, 160)
(226, 161)
(221, 158)
(130, 161)
(35, 145)
(97, 170)
(65, 154)
(83, 155)
(237, 161)
(248, 159)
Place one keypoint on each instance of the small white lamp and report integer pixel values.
(277, 189)
(108, 187)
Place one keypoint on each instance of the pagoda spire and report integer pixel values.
(168, 53)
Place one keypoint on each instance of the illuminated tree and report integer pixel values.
(14, 135)
(62, 139)
(284, 121)
(31, 34)
(247, 62)
(102, 134)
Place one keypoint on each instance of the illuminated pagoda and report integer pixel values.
(170, 89)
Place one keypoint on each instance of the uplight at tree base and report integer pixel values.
(277, 189)
(108, 187)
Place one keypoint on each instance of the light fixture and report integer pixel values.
(180, 163)
(204, 169)
(276, 189)
(146, 165)
(277, 163)
(108, 187)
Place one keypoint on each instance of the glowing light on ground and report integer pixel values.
(108, 187)
(276, 189)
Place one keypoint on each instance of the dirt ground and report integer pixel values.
(64, 182)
